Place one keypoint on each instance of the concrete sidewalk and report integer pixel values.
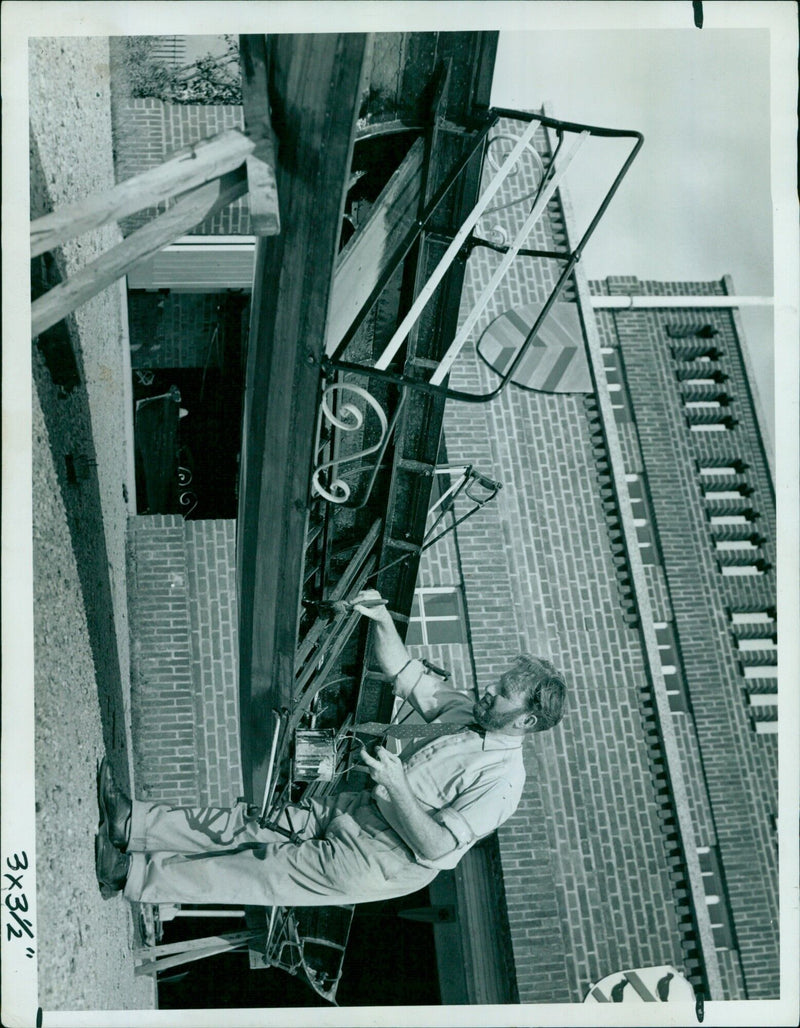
(83, 488)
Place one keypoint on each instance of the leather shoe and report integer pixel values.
(111, 866)
(115, 807)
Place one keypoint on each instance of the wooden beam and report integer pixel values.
(367, 254)
(195, 949)
(316, 88)
(197, 205)
(261, 178)
(202, 162)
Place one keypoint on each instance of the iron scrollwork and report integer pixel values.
(348, 418)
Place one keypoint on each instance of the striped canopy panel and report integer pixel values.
(556, 360)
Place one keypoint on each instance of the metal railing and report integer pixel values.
(553, 174)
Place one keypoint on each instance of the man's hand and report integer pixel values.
(372, 605)
(418, 829)
(386, 769)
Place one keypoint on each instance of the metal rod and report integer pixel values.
(378, 460)
(536, 212)
(556, 255)
(693, 301)
(438, 273)
(277, 720)
(457, 394)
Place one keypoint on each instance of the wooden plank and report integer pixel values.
(155, 966)
(316, 84)
(202, 162)
(194, 207)
(157, 443)
(369, 251)
(261, 177)
(192, 945)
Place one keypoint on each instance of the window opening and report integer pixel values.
(437, 617)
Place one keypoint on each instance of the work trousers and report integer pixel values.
(347, 853)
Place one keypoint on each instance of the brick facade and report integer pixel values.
(593, 840)
(174, 330)
(739, 766)
(147, 131)
(184, 659)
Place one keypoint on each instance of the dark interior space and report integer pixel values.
(390, 961)
(188, 463)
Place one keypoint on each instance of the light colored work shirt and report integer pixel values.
(468, 783)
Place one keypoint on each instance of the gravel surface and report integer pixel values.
(81, 482)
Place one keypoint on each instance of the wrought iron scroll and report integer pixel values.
(348, 418)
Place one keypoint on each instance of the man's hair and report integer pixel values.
(543, 686)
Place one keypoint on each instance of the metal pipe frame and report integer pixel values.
(335, 362)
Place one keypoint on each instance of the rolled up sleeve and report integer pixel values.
(475, 813)
(427, 694)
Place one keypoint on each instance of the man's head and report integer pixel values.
(528, 698)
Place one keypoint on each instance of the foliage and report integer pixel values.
(208, 80)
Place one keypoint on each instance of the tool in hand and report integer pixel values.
(330, 608)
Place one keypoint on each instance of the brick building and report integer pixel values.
(633, 544)
(670, 650)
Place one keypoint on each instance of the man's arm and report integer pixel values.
(428, 695)
(421, 832)
(390, 652)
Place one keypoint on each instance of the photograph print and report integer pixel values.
(398, 497)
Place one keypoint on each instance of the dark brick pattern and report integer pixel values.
(182, 603)
(177, 334)
(740, 768)
(584, 859)
(147, 131)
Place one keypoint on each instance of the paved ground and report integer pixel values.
(81, 484)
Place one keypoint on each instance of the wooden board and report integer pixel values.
(366, 255)
(261, 174)
(315, 85)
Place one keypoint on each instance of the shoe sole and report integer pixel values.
(106, 891)
(105, 818)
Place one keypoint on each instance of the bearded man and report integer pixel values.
(459, 777)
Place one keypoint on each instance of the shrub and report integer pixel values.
(208, 80)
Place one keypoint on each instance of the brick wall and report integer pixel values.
(174, 330)
(739, 767)
(148, 131)
(184, 659)
(585, 868)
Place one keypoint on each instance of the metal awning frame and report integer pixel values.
(463, 242)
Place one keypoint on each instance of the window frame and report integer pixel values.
(424, 620)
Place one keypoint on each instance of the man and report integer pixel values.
(426, 810)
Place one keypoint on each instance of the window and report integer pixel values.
(752, 671)
(721, 466)
(722, 494)
(752, 617)
(760, 567)
(714, 426)
(437, 617)
(763, 699)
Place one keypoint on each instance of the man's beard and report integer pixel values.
(491, 721)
